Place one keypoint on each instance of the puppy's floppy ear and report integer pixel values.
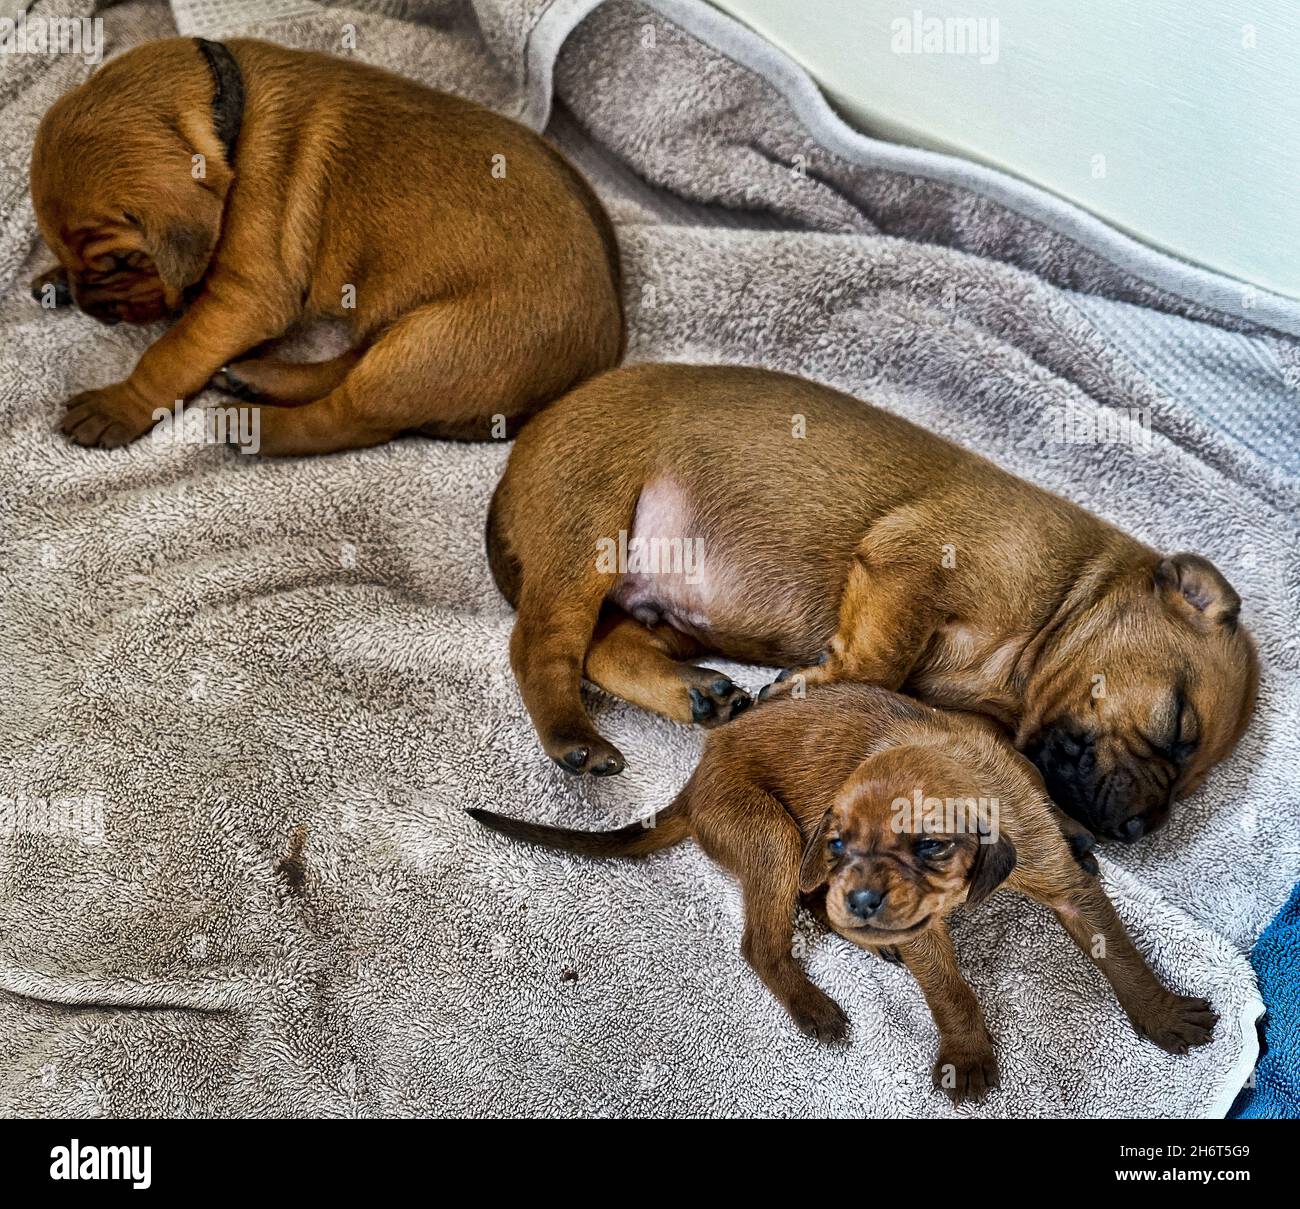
(815, 864)
(1195, 584)
(992, 866)
(180, 251)
(180, 235)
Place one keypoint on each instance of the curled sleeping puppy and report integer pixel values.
(893, 815)
(661, 512)
(242, 187)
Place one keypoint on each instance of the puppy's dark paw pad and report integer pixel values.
(1182, 1024)
(607, 766)
(702, 707)
(740, 703)
(715, 698)
(574, 760)
(228, 381)
(596, 757)
(966, 1078)
(1081, 845)
(820, 1017)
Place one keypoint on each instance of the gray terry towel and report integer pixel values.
(245, 703)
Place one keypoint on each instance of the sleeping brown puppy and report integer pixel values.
(662, 511)
(894, 815)
(476, 270)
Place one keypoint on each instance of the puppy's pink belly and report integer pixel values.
(664, 578)
(731, 597)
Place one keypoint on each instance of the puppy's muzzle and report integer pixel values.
(106, 312)
(1124, 803)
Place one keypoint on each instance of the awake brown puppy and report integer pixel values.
(802, 526)
(894, 815)
(475, 268)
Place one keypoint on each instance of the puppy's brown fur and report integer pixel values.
(866, 549)
(803, 796)
(475, 268)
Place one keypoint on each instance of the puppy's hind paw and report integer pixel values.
(714, 698)
(593, 756)
(1181, 1023)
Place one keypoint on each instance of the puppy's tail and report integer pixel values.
(660, 831)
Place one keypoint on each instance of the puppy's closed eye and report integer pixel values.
(1177, 731)
(1187, 735)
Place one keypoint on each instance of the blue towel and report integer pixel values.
(1276, 957)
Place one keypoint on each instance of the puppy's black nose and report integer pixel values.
(57, 289)
(865, 903)
(1134, 829)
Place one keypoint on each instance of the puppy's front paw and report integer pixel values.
(51, 288)
(966, 1075)
(1180, 1023)
(107, 418)
(818, 1015)
(588, 754)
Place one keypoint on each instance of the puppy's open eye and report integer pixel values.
(929, 850)
(835, 846)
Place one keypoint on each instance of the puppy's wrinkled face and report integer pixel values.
(129, 184)
(909, 839)
(1151, 692)
(107, 274)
